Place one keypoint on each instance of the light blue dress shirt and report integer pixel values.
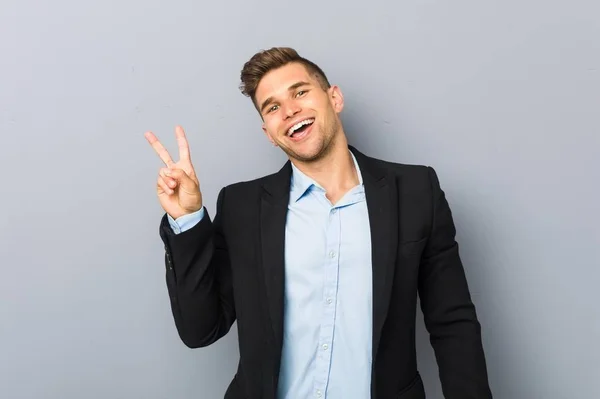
(328, 292)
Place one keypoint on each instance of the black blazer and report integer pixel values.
(232, 268)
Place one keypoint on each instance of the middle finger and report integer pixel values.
(159, 148)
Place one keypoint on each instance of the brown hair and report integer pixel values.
(266, 60)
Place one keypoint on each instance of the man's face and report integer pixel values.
(298, 115)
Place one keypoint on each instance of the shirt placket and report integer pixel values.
(329, 300)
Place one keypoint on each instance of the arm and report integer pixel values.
(199, 278)
(449, 313)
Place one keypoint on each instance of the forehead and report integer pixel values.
(277, 82)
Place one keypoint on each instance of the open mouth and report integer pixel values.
(300, 129)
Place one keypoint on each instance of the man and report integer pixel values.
(321, 262)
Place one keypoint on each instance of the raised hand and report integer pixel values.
(177, 186)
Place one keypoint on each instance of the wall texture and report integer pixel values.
(502, 98)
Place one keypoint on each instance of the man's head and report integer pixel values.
(298, 106)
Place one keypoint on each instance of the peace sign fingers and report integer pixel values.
(182, 143)
(160, 149)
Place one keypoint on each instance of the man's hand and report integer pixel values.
(177, 186)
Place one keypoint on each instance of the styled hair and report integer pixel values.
(267, 60)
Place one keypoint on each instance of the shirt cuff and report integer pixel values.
(185, 222)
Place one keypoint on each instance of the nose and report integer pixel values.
(291, 109)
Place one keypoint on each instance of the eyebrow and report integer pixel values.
(291, 88)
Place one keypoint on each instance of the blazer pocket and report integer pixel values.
(411, 248)
(414, 390)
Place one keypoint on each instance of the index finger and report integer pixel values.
(184, 148)
(159, 148)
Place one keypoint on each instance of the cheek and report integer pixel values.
(322, 106)
(271, 128)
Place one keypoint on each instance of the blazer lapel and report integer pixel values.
(381, 193)
(273, 212)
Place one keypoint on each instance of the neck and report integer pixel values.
(335, 172)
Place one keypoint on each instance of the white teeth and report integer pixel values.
(299, 125)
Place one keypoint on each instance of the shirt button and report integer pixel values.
(329, 300)
(318, 394)
(325, 346)
(334, 210)
(332, 254)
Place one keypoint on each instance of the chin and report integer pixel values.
(310, 153)
(309, 149)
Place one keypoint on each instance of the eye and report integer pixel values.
(273, 108)
(301, 93)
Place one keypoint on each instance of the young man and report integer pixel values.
(320, 263)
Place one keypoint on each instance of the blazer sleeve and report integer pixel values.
(198, 277)
(449, 313)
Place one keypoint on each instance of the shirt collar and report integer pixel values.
(301, 183)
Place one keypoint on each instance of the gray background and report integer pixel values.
(502, 98)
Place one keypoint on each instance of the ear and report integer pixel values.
(268, 135)
(337, 98)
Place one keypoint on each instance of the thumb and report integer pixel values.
(182, 179)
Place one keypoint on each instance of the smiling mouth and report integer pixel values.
(299, 128)
(301, 134)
